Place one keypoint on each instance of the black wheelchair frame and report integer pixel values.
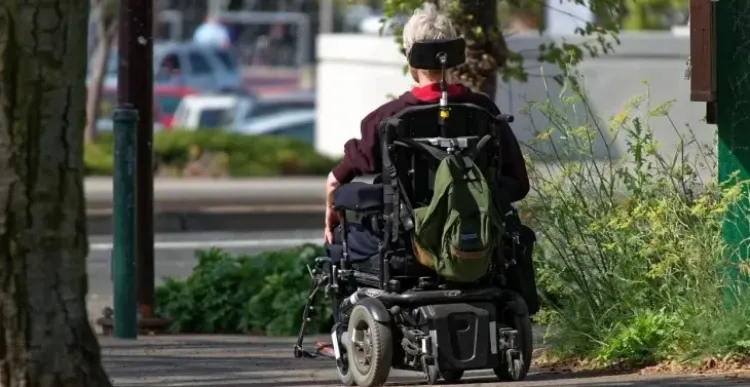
(418, 309)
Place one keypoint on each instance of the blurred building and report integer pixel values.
(563, 18)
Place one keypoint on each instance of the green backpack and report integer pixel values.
(460, 230)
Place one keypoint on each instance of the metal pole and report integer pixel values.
(123, 262)
(142, 80)
(135, 87)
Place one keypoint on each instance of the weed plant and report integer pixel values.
(630, 257)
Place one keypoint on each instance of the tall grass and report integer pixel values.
(630, 253)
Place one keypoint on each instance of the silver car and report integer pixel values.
(248, 109)
(200, 67)
(299, 124)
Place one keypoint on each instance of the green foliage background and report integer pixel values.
(239, 155)
(259, 294)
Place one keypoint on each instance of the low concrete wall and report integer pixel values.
(356, 73)
(218, 205)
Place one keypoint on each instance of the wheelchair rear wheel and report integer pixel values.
(516, 368)
(370, 349)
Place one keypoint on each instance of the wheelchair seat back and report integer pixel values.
(415, 167)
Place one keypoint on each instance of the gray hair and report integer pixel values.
(427, 23)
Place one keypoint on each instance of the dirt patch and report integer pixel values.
(730, 366)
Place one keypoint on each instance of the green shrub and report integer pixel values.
(630, 248)
(97, 160)
(260, 294)
(241, 155)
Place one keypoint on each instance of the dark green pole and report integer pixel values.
(123, 257)
(733, 119)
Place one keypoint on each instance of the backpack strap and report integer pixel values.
(395, 189)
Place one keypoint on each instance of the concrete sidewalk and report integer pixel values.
(246, 361)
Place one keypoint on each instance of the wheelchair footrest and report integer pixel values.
(300, 352)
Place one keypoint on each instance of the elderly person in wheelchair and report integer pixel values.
(428, 266)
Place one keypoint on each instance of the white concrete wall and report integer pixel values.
(356, 73)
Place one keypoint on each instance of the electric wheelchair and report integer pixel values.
(389, 310)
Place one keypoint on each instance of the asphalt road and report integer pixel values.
(174, 255)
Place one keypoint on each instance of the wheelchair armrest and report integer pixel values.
(359, 197)
(367, 179)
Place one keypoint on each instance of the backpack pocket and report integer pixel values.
(466, 239)
(466, 254)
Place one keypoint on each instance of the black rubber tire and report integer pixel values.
(452, 376)
(522, 323)
(343, 373)
(382, 349)
(431, 374)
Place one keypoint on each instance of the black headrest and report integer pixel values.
(426, 54)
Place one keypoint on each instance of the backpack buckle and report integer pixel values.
(405, 218)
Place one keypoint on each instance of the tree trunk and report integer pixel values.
(106, 35)
(486, 49)
(45, 336)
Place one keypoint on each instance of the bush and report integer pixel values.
(219, 153)
(259, 294)
(630, 253)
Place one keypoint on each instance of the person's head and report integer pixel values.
(211, 19)
(427, 23)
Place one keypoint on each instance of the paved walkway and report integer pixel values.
(242, 361)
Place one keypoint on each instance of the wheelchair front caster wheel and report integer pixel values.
(452, 376)
(370, 350)
(431, 373)
(345, 376)
(515, 363)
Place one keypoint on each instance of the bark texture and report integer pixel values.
(45, 336)
(486, 49)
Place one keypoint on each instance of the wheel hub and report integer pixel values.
(362, 348)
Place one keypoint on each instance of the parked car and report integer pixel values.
(199, 67)
(232, 111)
(299, 124)
(167, 99)
(204, 111)
(250, 109)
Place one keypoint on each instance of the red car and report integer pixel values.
(166, 101)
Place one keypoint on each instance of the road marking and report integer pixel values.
(225, 244)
